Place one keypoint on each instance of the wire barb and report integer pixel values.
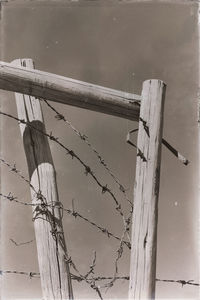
(23, 243)
(180, 157)
(75, 214)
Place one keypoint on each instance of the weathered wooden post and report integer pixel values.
(69, 91)
(146, 190)
(51, 247)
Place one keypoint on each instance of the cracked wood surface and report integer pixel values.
(55, 276)
(69, 91)
(146, 190)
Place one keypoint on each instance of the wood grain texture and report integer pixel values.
(69, 91)
(54, 271)
(146, 190)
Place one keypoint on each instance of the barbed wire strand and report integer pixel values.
(14, 169)
(29, 274)
(92, 266)
(91, 282)
(99, 278)
(88, 170)
(70, 212)
(22, 243)
(104, 230)
(119, 255)
(85, 138)
(13, 198)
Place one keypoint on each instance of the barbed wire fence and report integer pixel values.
(41, 210)
(78, 278)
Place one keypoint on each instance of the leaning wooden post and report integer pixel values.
(51, 247)
(146, 190)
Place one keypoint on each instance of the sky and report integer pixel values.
(117, 45)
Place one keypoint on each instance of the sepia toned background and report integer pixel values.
(117, 45)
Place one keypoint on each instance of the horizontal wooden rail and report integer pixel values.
(69, 91)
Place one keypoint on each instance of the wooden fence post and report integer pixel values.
(69, 91)
(51, 247)
(146, 190)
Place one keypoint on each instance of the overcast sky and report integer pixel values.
(117, 45)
